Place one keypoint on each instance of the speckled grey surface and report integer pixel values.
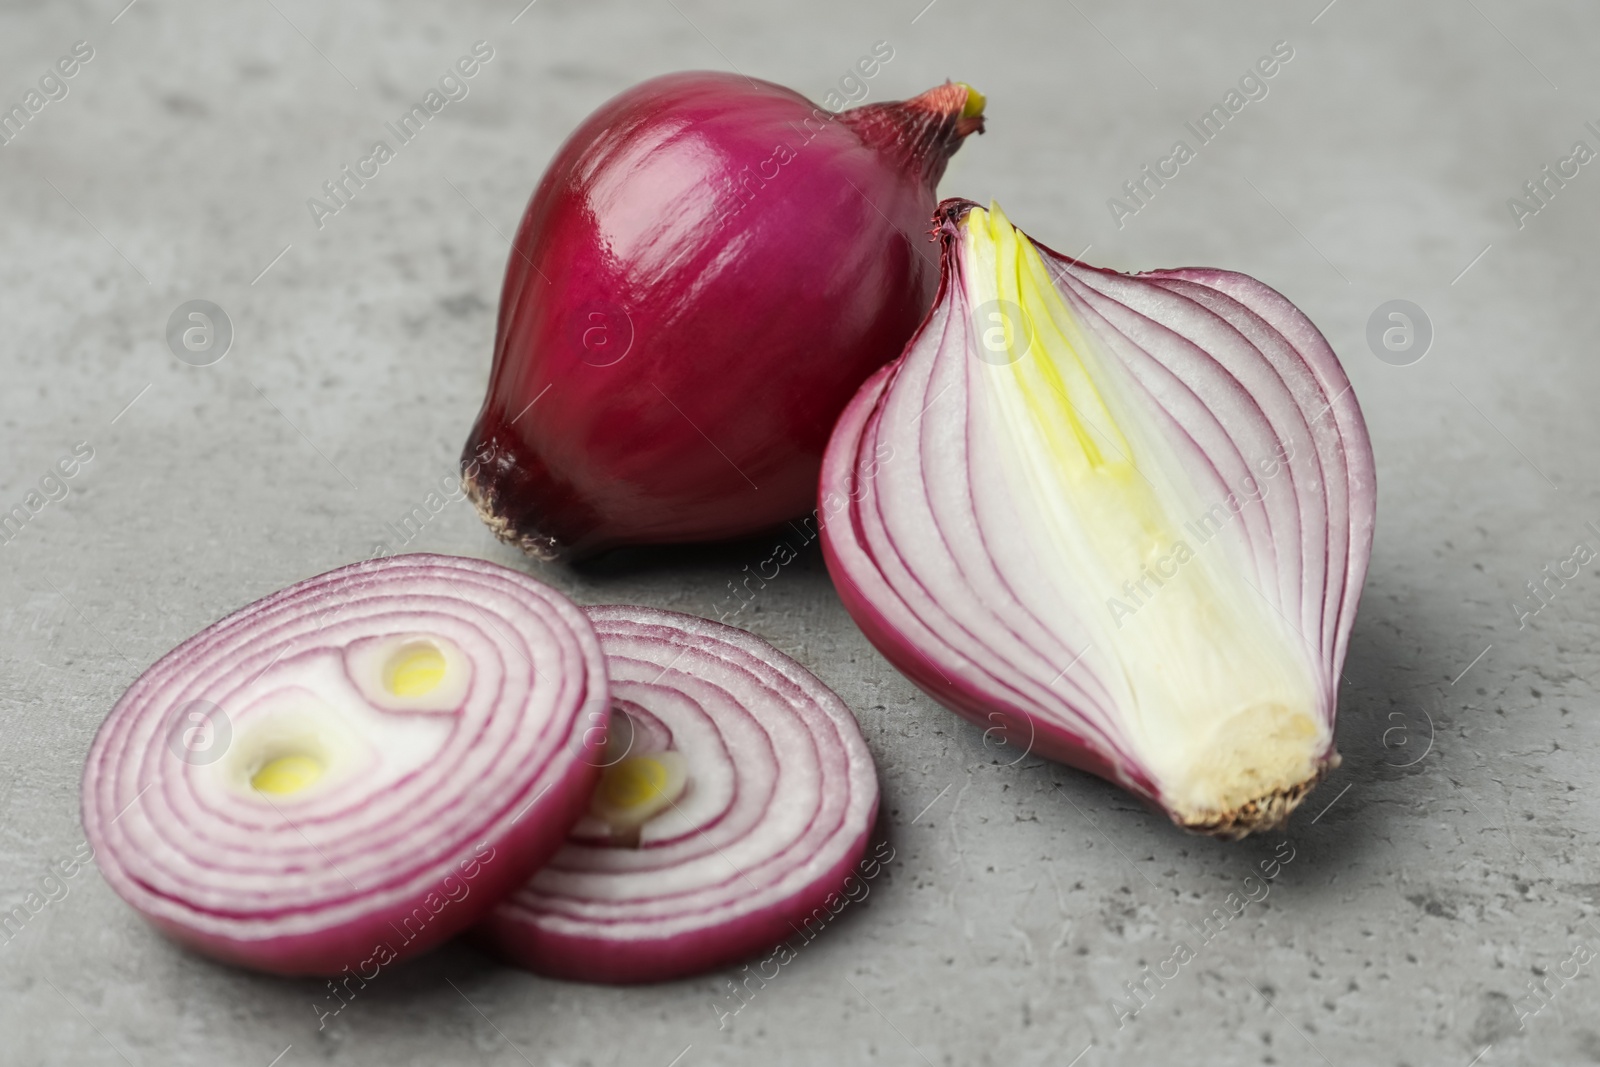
(1443, 877)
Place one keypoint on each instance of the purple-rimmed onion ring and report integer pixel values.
(353, 769)
(771, 793)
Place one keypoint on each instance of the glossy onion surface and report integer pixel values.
(706, 272)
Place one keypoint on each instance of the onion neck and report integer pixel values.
(920, 134)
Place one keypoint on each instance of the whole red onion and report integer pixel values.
(706, 272)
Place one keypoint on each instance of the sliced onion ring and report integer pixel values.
(780, 798)
(251, 798)
(1123, 519)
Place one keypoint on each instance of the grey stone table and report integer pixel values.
(1446, 867)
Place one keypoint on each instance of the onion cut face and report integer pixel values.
(770, 795)
(1123, 518)
(353, 769)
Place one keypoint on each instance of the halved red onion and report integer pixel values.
(353, 769)
(770, 795)
(1125, 518)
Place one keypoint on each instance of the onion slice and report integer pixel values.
(353, 769)
(1123, 518)
(774, 796)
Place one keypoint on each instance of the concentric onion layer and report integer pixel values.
(781, 799)
(419, 817)
(1127, 516)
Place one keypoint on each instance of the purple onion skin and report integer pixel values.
(706, 272)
